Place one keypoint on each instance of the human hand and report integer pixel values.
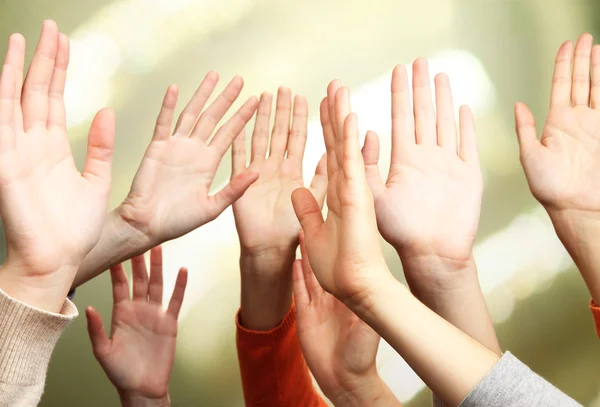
(52, 213)
(563, 168)
(138, 357)
(264, 216)
(343, 250)
(429, 206)
(339, 348)
(169, 195)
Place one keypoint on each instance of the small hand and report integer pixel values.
(339, 348)
(344, 250)
(264, 216)
(52, 213)
(169, 196)
(138, 357)
(430, 203)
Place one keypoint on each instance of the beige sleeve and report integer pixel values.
(27, 338)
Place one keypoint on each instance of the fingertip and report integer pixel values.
(266, 96)
(17, 39)
(283, 90)
(566, 47)
(238, 81)
(585, 38)
(420, 63)
(173, 89)
(441, 79)
(333, 85)
(398, 69)
(300, 100)
(107, 114)
(466, 110)
(212, 76)
(49, 25)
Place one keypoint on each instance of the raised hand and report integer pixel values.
(343, 250)
(170, 193)
(264, 216)
(430, 203)
(339, 348)
(428, 208)
(563, 167)
(138, 357)
(169, 196)
(52, 213)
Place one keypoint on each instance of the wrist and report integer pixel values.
(118, 242)
(433, 275)
(46, 292)
(367, 390)
(134, 399)
(125, 221)
(579, 232)
(266, 287)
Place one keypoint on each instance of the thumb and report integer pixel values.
(230, 193)
(101, 141)
(526, 133)
(307, 211)
(95, 328)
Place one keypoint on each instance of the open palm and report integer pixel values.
(431, 201)
(264, 216)
(339, 347)
(170, 193)
(563, 168)
(52, 213)
(138, 357)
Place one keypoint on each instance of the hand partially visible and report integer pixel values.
(169, 196)
(264, 217)
(563, 168)
(339, 348)
(52, 213)
(138, 357)
(343, 250)
(430, 204)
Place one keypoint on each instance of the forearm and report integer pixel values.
(370, 391)
(135, 400)
(450, 362)
(452, 290)
(580, 234)
(266, 288)
(119, 241)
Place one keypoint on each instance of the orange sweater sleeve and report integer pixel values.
(596, 314)
(274, 372)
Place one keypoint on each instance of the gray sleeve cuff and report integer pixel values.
(512, 383)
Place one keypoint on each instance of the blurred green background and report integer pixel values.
(126, 52)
